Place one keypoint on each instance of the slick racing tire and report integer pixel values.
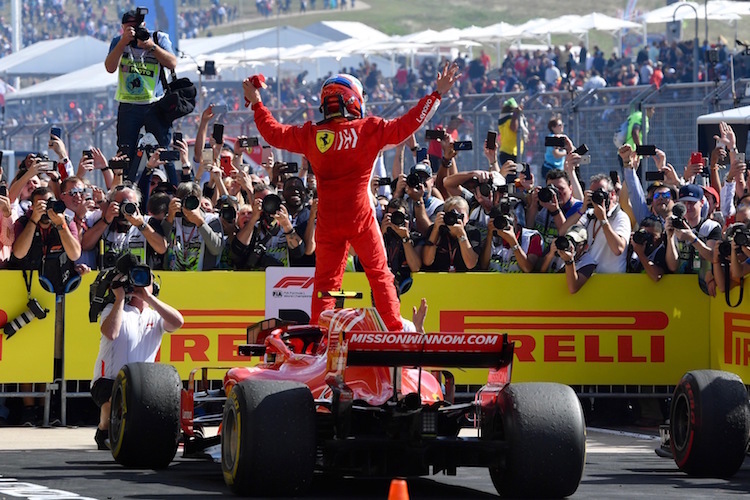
(709, 423)
(145, 421)
(545, 431)
(268, 438)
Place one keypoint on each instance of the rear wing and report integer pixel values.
(463, 350)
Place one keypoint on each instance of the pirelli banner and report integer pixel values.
(619, 329)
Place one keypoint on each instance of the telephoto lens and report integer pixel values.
(271, 204)
(398, 218)
(563, 243)
(128, 208)
(191, 202)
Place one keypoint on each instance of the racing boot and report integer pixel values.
(102, 439)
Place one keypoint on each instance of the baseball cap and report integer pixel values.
(578, 233)
(164, 187)
(422, 168)
(160, 174)
(511, 103)
(146, 140)
(691, 192)
(129, 16)
(712, 191)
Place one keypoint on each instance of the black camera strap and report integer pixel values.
(727, 281)
(27, 279)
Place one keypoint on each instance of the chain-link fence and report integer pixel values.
(589, 117)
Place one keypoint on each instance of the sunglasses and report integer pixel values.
(666, 195)
(74, 191)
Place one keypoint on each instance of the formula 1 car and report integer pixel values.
(709, 424)
(345, 397)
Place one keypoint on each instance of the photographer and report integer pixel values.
(509, 247)
(121, 227)
(42, 231)
(138, 57)
(416, 190)
(691, 238)
(648, 249)
(575, 240)
(551, 206)
(608, 226)
(194, 237)
(403, 252)
(132, 329)
(451, 245)
(554, 156)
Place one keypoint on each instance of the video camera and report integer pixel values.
(132, 274)
(141, 33)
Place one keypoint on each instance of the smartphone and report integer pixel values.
(491, 140)
(554, 142)
(614, 176)
(46, 166)
(654, 176)
(177, 136)
(171, 155)
(434, 134)
(207, 156)
(463, 146)
(88, 154)
(526, 171)
(582, 149)
(384, 181)
(291, 168)
(226, 164)
(247, 142)
(118, 164)
(740, 157)
(696, 158)
(585, 160)
(421, 154)
(3, 190)
(56, 131)
(88, 194)
(646, 150)
(218, 133)
(220, 108)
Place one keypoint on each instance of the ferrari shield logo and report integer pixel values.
(324, 140)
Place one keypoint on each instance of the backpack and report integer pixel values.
(621, 134)
(179, 97)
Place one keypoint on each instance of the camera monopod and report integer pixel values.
(34, 311)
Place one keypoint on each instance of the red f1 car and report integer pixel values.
(347, 397)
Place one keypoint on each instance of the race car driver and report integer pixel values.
(342, 150)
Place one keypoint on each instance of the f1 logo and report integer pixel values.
(295, 281)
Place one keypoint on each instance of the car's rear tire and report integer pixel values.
(145, 420)
(709, 423)
(544, 428)
(268, 438)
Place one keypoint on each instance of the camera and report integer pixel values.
(642, 237)
(141, 33)
(271, 204)
(291, 167)
(170, 155)
(191, 202)
(599, 197)
(384, 181)
(226, 209)
(257, 253)
(548, 193)
(564, 243)
(502, 222)
(452, 217)
(678, 222)
(413, 180)
(247, 142)
(742, 237)
(398, 218)
(128, 208)
(45, 164)
(121, 164)
(57, 206)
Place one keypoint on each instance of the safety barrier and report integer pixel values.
(620, 335)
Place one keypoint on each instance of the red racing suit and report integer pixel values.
(342, 154)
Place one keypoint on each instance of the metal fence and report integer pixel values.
(590, 118)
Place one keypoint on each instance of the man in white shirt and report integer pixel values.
(131, 332)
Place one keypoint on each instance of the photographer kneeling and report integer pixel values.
(131, 332)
